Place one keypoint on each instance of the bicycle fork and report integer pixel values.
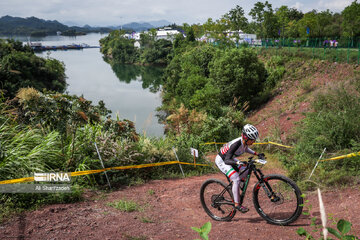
(266, 186)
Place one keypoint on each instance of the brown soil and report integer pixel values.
(171, 208)
(278, 117)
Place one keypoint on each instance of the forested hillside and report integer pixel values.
(39, 27)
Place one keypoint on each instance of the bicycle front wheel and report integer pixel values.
(217, 200)
(278, 199)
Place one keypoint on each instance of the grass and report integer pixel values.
(128, 237)
(145, 219)
(126, 205)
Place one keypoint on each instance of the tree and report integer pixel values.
(239, 74)
(334, 29)
(309, 21)
(351, 23)
(295, 14)
(266, 22)
(218, 31)
(282, 15)
(237, 19)
(325, 20)
(25, 69)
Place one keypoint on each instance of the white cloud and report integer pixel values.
(334, 5)
(298, 5)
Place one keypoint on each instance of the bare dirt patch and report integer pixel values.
(292, 100)
(171, 208)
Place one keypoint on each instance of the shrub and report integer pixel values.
(239, 74)
(334, 125)
(21, 68)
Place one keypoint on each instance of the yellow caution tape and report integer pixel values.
(341, 157)
(278, 144)
(79, 173)
(19, 180)
(208, 143)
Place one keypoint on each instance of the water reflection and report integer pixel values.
(150, 76)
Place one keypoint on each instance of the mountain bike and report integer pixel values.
(276, 198)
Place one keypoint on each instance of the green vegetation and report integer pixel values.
(205, 97)
(53, 132)
(125, 205)
(343, 226)
(20, 67)
(203, 231)
(333, 125)
(33, 26)
(118, 49)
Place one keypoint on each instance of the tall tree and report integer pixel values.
(309, 21)
(266, 21)
(351, 23)
(282, 15)
(237, 19)
(295, 14)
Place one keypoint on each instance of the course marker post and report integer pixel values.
(178, 161)
(195, 153)
(317, 163)
(102, 164)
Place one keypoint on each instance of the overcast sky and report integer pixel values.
(117, 12)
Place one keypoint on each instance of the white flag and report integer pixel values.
(194, 152)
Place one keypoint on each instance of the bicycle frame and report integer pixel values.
(260, 177)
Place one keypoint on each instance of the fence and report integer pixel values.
(331, 49)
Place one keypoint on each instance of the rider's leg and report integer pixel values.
(235, 187)
(234, 177)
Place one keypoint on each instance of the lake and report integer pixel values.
(131, 92)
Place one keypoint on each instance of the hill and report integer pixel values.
(138, 27)
(302, 81)
(142, 26)
(34, 26)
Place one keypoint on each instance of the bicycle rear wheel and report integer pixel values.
(217, 200)
(282, 203)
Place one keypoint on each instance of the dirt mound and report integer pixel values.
(170, 209)
(277, 118)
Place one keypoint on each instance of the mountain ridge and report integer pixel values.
(10, 25)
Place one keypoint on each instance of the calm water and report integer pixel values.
(128, 91)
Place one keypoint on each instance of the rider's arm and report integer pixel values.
(229, 160)
(249, 150)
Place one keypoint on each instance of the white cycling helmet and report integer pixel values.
(250, 132)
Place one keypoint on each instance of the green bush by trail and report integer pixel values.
(334, 125)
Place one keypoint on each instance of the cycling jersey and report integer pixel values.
(234, 149)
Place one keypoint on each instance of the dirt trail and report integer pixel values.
(171, 208)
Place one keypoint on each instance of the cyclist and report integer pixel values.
(226, 160)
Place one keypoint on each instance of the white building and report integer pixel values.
(243, 37)
(166, 33)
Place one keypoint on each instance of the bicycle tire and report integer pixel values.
(219, 208)
(287, 204)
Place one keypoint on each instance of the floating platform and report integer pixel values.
(40, 47)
